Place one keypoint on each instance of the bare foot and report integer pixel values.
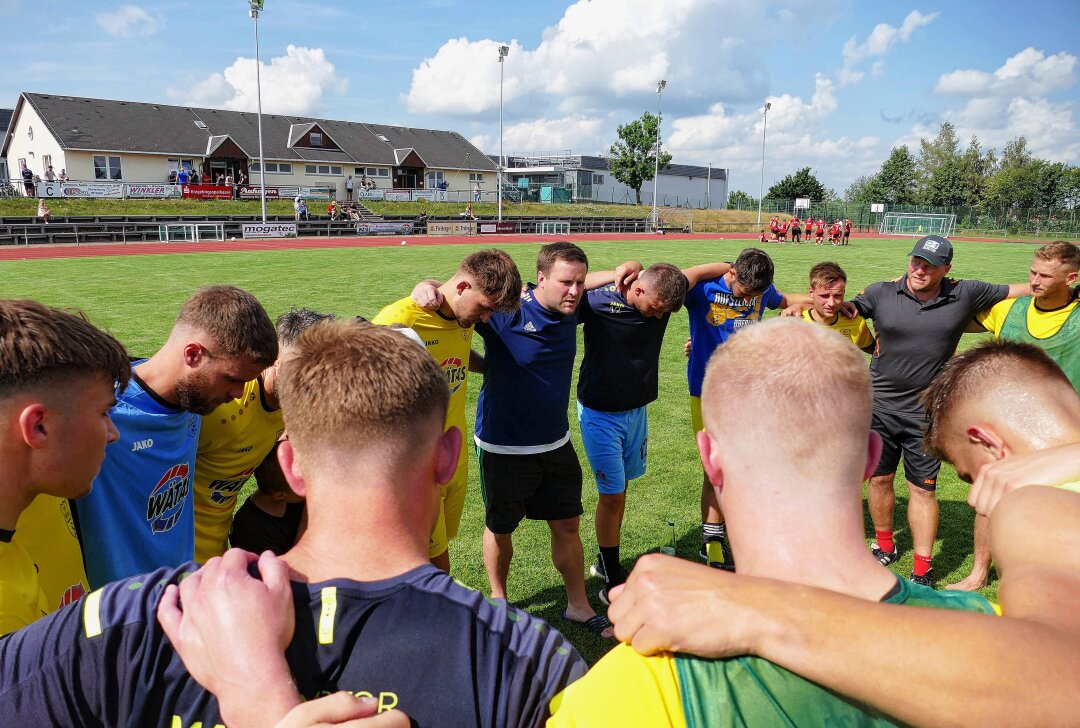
(971, 583)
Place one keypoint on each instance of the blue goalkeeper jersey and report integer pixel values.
(419, 642)
(139, 514)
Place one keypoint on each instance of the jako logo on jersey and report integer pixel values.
(455, 373)
(166, 501)
(142, 445)
(224, 490)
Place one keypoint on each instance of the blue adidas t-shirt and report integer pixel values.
(139, 514)
(420, 642)
(528, 364)
(715, 314)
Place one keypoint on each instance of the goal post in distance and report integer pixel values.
(917, 224)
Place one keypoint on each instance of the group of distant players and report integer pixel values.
(357, 438)
(839, 233)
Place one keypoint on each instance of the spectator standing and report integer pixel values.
(194, 179)
(63, 175)
(182, 176)
(348, 188)
(28, 181)
(296, 205)
(50, 175)
(476, 192)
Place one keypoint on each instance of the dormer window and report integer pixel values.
(315, 139)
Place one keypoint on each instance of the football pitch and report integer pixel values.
(137, 297)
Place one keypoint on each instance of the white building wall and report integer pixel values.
(33, 150)
(673, 191)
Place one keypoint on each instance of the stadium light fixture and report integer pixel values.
(656, 170)
(761, 185)
(503, 52)
(256, 7)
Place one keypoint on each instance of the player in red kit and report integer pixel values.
(819, 230)
(796, 230)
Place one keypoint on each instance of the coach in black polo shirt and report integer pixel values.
(919, 320)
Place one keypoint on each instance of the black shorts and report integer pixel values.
(541, 487)
(902, 434)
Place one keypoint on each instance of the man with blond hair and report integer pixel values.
(784, 509)
(368, 450)
(1006, 415)
(486, 281)
(58, 378)
(828, 284)
(139, 515)
(1050, 319)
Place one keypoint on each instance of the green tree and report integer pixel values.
(863, 190)
(896, 180)
(976, 169)
(633, 157)
(739, 200)
(936, 169)
(802, 183)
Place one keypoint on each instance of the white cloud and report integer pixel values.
(129, 21)
(291, 84)
(577, 134)
(604, 53)
(881, 39)
(795, 137)
(1030, 72)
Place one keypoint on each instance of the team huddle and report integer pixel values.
(839, 232)
(120, 477)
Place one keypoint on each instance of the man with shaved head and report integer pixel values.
(785, 506)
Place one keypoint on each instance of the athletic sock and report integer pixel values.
(885, 540)
(609, 557)
(922, 564)
(710, 531)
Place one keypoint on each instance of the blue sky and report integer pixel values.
(847, 80)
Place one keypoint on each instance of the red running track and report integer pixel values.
(38, 252)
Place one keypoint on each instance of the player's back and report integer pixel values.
(419, 642)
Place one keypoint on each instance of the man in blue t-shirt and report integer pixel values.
(718, 308)
(366, 611)
(139, 515)
(528, 466)
(619, 377)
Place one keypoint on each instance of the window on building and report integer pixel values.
(434, 179)
(46, 162)
(598, 179)
(322, 169)
(175, 164)
(272, 168)
(106, 167)
(315, 139)
(476, 176)
(22, 164)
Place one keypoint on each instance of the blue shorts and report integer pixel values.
(616, 444)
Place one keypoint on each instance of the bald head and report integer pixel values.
(1011, 391)
(787, 370)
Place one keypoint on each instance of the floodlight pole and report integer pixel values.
(503, 51)
(256, 6)
(761, 186)
(656, 170)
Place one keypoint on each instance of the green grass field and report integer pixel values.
(137, 297)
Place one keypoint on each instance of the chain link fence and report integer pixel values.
(970, 220)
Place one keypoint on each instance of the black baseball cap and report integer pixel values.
(934, 249)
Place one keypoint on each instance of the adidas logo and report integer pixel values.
(529, 326)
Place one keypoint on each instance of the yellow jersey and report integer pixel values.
(1041, 324)
(854, 330)
(447, 342)
(234, 439)
(46, 531)
(21, 598)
